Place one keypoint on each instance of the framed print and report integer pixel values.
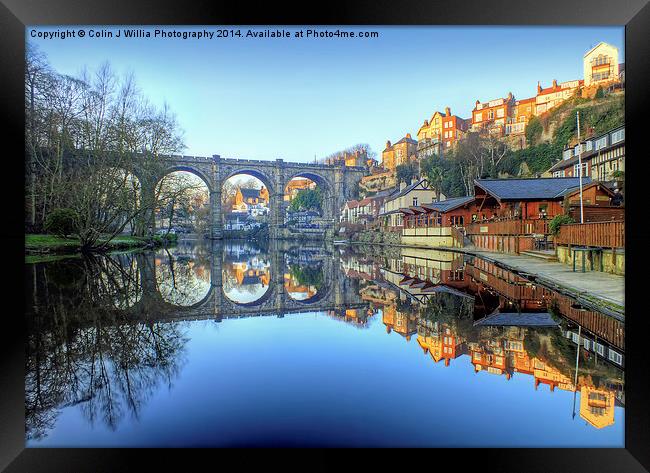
(375, 228)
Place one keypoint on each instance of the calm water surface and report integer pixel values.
(235, 344)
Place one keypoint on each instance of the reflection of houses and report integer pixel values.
(440, 341)
(247, 273)
(489, 356)
(544, 373)
(296, 290)
(596, 347)
(597, 406)
(358, 317)
(404, 323)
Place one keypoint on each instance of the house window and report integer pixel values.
(576, 168)
(618, 136)
(597, 411)
(500, 113)
(478, 117)
(415, 201)
(490, 114)
(615, 357)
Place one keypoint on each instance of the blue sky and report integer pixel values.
(299, 98)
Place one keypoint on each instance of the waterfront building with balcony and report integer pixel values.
(507, 215)
(417, 192)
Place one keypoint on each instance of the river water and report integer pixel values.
(237, 344)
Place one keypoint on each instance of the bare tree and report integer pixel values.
(94, 145)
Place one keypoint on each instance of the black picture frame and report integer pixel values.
(634, 14)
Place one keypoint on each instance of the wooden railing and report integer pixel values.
(508, 227)
(458, 236)
(604, 234)
(594, 213)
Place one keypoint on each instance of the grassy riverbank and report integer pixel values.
(48, 244)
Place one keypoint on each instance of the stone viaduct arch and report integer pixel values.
(337, 183)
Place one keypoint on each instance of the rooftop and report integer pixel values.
(448, 204)
(530, 189)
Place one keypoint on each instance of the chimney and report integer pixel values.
(539, 87)
(447, 112)
(388, 144)
(554, 83)
(402, 185)
(408, 135)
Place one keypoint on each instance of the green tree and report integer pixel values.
(406, 172)
(62, 222)
(307, 199)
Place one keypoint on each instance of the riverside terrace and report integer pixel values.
(505, 215)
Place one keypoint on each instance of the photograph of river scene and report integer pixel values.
(278, 237)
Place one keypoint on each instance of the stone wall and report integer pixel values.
(613, 260)
(375, 237)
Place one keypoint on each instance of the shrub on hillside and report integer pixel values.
(61, 222)
(558, 221)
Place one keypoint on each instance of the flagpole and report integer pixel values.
(582, 215)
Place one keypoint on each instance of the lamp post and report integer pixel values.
(582, 216)
(575, 379)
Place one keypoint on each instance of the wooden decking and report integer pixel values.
(598, 234)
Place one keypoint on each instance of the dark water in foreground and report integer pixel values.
(291, 345)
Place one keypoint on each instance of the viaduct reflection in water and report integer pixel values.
(105, 333)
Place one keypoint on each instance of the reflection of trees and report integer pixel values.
(445, 307)
(82, 350)
(308, 275)
(182, 280)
